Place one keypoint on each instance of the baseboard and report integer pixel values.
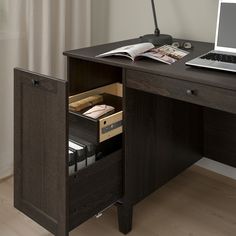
(217, 167)
(6, 172)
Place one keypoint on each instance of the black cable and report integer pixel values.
(157, 31)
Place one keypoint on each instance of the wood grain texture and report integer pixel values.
(163, 137)
(208, 96)
(95, 188)
(220, 136)
(83, 127)
(177, 70)
(91, 129)
(125, 218)
(40, 153)
(86, 75)
(197, 202)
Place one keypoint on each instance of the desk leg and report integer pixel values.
(62, 234)
(125, 215)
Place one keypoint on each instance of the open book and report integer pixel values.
(167, 54)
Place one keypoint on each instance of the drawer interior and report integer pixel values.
(114, 89)
(95, 188)
(103, 128)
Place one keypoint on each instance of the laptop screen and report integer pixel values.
(227, 25)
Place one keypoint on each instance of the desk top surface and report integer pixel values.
(177, 70)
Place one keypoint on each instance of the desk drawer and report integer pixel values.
(101, 129)
(200, 94)
(94, 188)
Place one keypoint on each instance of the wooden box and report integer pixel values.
(98, 130)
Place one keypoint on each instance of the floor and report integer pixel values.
(196, 203)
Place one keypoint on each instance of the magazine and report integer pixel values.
(166, 54)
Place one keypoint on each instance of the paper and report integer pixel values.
(75, 146)
(98, 111)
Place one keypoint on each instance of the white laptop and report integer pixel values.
(223, 57)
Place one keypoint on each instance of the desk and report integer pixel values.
(173, 116)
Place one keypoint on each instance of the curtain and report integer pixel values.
(33, 35)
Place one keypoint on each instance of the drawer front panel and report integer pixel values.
(86, 129)
(93, 189)
(40, 153)
(204, 95)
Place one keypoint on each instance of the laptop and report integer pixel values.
(223, 57)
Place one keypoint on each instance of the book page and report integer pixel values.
(167, 54)
(130, 51)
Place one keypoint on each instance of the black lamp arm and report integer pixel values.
(157, 39)
(157, 30)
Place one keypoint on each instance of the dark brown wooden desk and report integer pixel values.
(173, 116)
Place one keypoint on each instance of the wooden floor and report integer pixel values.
(196, 203)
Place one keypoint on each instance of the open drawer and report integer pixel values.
(95, 188)
(98, 130)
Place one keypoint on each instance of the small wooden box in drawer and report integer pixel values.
(95, 188)
(98, 130)
(213, 97)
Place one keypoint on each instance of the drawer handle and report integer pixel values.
(191, 92)
(112, 127)
(35, 83)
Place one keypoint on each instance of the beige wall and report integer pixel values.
(122, 19)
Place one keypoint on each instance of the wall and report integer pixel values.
(116, 20)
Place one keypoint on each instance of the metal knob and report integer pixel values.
(190, 92)
(35, 83)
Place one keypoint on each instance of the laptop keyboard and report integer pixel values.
(220, 57)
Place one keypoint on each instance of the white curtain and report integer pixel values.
(33, 35)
